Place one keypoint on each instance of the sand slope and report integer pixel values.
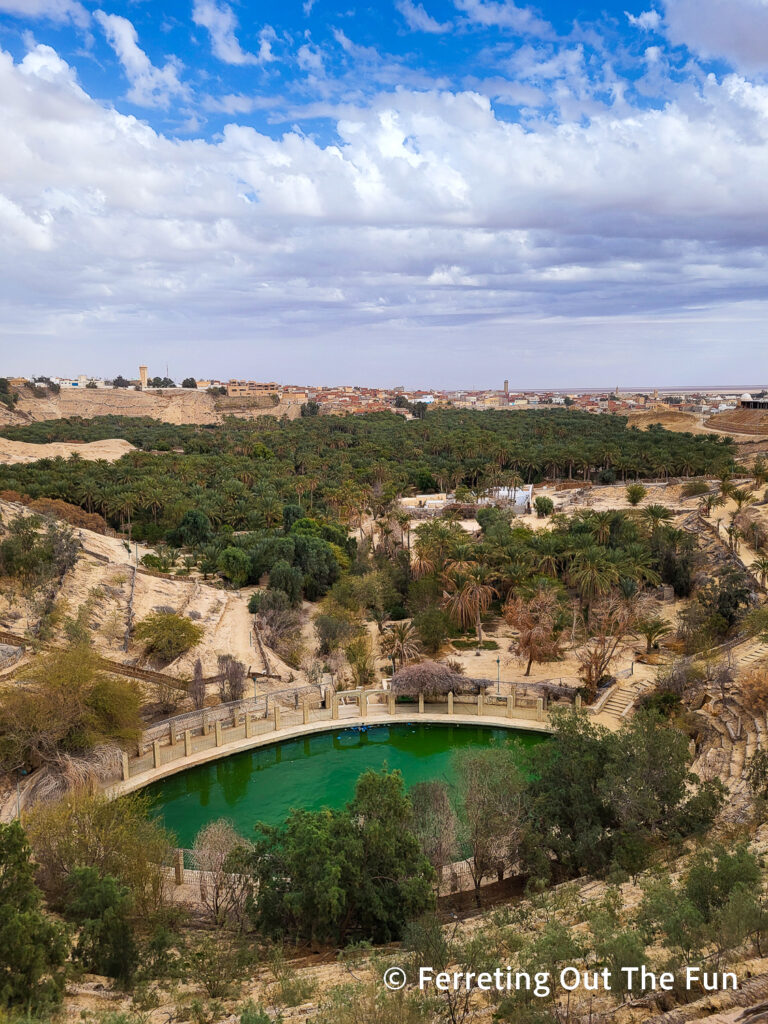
(12, 452)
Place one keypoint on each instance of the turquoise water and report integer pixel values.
(312, 772)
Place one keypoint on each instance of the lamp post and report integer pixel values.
(498, 675)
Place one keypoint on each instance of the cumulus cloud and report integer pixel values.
(150, 86)
(650, 21)
(56, 10)
(427, 219)
(221, 24)
(502, 14)
(417, 18)
(735, 30)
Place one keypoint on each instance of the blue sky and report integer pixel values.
(440, 192)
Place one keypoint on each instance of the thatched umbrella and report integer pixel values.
(433, 679)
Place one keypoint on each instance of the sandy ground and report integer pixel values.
(12, 452)
(101, 582)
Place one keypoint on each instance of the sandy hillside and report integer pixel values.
(102, 581)
(12, 452)
(170, 406)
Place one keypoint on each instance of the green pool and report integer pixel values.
(311, 772)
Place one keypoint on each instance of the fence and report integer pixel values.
(174, 741)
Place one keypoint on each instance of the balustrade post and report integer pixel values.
(334, 707)
(125, 766)
(510, 706)
(171, 734)
(187, 743)
(277, 717)
(306, 712)
(248, 726)
(217, 727)
(577, 700)
(540, 708)
(391, 703)
(178, 867)
(450, 702)
(480, 703)
(156, 754)
(421, 703)
(363, 705)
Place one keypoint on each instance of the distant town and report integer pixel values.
(354, 399)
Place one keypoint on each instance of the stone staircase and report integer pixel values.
(622, 698)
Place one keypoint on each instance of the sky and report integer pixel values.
(435, 193)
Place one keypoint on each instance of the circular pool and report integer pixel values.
(310, 772)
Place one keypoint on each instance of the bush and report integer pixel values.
(168, 635)
(544, 506)
(263, 601)
(69, 708)
(117, 837)
(693, 488)
(635, 493)
(288, 580)
(99, 906)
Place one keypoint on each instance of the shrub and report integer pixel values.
(693, 488)
(168, 635)
(99, 906)
(117, 837)
(635, 493)
(544, 506)
(69, 709)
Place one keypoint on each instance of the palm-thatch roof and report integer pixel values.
(433, 679)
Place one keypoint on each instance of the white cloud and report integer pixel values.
(736, 30)
(502, 14)
(650, 21)
(150, 86)
(417, 18)
(56, 10)
(221, 24)
(429, 222)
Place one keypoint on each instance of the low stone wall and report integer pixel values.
(360, 708)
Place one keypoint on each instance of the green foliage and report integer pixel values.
(69, 707)
(544, 506)
(288, 580)
(328, 875)
(433, 627)
(116, 837)
(168, 635)
(35, 552)
(235, 565)
(99, 905)
(597, 798)
(33, 948)
(189, 382)
(635, 493)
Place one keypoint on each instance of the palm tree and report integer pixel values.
(601, 526)
(653, 630)
(655, 516)
(593, 573)
(760, 566)
(400, 642)
(468, 595)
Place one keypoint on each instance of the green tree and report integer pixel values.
(327, 874)
(235, 564)
(168, 635)
(33, 948)
(189, 382)
(100, 907)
